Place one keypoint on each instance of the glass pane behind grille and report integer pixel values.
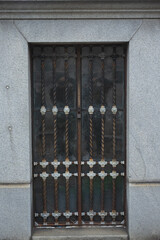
(68, 191)
(55, 135)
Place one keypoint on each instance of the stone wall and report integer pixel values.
(143, 116)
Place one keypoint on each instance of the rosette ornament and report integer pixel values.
(91, 110)
(43, 110)
(54, 110)
(66, 110)
(114, 109)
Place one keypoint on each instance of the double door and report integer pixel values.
(78, 117)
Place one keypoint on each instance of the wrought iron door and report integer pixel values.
(79, 134)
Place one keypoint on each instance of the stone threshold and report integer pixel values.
(77, 233)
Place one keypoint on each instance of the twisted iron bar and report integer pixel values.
(102, 86)
(66, 129)
(43, 137)
(114, 127)
(54, 81)
(43, 104)
(114, 102)
(91, 123)
(102, 127)
(55, 137)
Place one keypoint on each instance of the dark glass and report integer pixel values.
(38, 195)
(61, 194)
(97, 194)
(108, 194)
(120, 194)
(50, 194)
(73, 194)
(85, 194)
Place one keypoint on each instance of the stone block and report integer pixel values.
(81, 233)
(144, 211)
(76, 31)
(15, 218)
(143, 113)
(15, 134)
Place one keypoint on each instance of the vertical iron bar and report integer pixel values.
(91, 123)
(114, 129)
(66, 129)
(55, 139)
(43, 137)
(102, 127)
(125, 124)
(78, 75)
(102, 88)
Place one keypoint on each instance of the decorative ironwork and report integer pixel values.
(66, 110)
(114, 163)
(45, 215)
(55, 163)
(54, 110)
(114, 109)
(91, 110)
(44, 175)
(91, 163)
(44, 164)
(43, 110)
(81, 75)
(102, 163)
(102, 109)
(102, 174)
(56, 175)
(67, 214)
(67, 175)
(91, 174)
(56, 214)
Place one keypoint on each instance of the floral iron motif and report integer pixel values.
(102, 163)
(43, 110)
(54, 110)
(114, 174)
(66, 110)
(56, 175)
(113, 214)
(44, 175)
(67, 163)
(102, 110)
(43, 163)
(56, 214)
(114, 162)
(91, 174)
(91, 214)
(102, 214)
(45, 215)
(67, 214)
(91, 163)
(55, 163)
(114, 109)
(67, 175)
(91, 110)
(102, 174)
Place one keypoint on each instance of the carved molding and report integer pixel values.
(73, 9)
